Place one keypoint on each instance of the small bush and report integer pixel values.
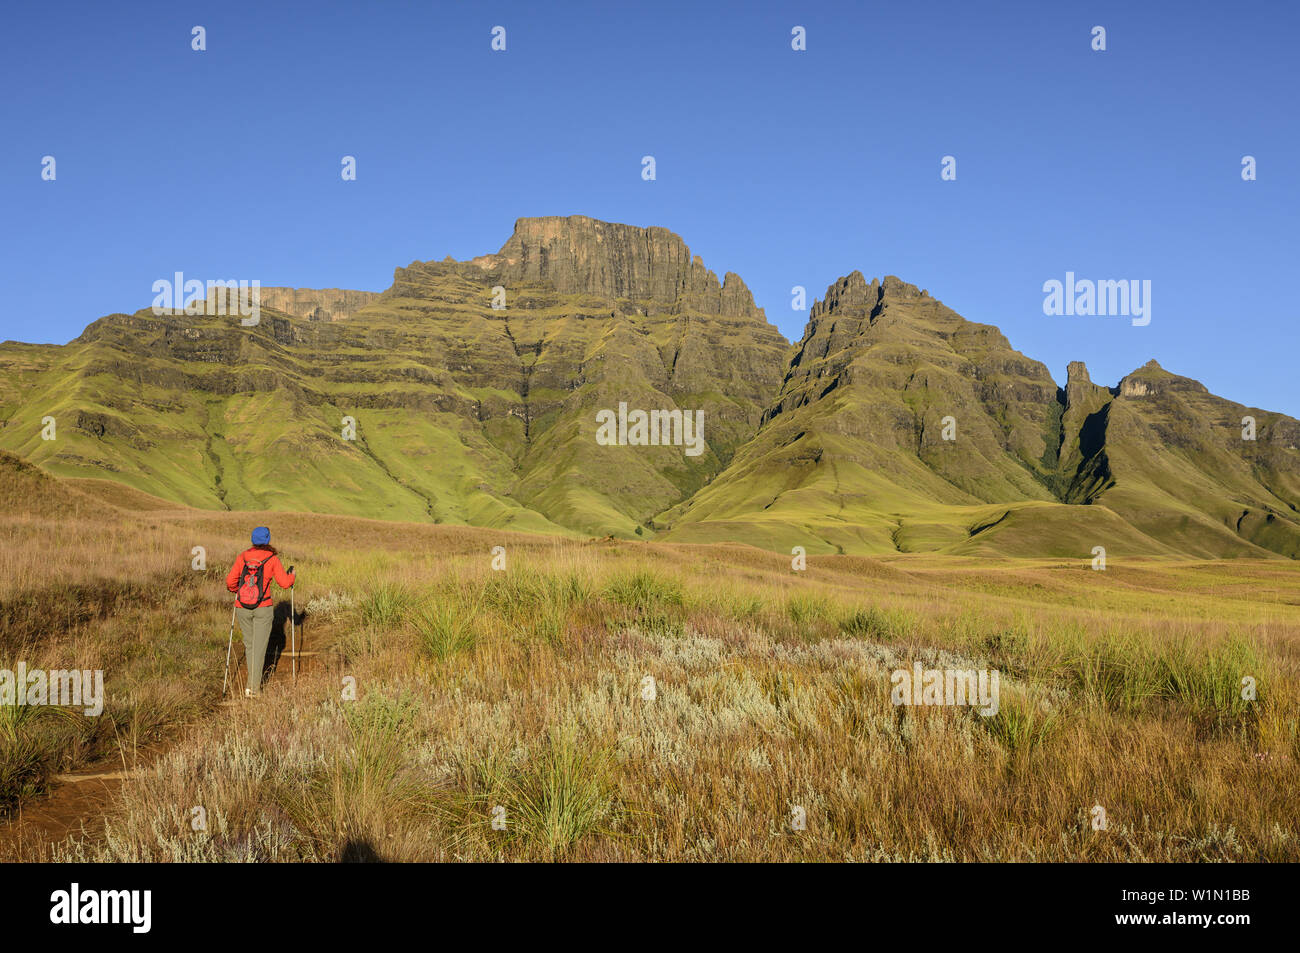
(331, 605)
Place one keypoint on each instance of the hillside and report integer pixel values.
(27, 491)
(852, 455)
(1169, 457)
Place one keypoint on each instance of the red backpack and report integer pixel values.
(250, 592)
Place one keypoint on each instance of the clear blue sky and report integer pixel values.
(789, 168)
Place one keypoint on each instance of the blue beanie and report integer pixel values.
(261, 536)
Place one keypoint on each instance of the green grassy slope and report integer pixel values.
(852, 457)
(1181, 471)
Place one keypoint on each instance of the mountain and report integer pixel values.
(513, 389)
(852, 455)
(1171, 459)
(463, 412)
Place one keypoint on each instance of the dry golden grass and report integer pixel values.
(522, 690)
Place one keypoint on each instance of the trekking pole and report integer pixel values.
(229, 645)
(293, 629)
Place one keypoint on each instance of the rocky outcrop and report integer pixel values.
(317, 304)
(1079, 388)
(893, 403)
(580, 255)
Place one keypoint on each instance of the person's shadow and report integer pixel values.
(359, 851)
(279, 640)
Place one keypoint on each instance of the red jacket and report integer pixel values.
(271, 569)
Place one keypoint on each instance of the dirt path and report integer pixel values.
(78, 802)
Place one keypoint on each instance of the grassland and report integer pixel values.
(523, 689)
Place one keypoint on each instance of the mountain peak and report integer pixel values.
(852, 294)
(582, 255)
(896, 287)
(1151, 378)
(1081, 394)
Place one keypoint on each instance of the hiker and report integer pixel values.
(250, 579)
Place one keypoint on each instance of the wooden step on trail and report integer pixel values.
(105, 776)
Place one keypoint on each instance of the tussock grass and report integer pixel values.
(1123, 673)
(808, 609)
(564, 796)
(386, 606)
(561, 794)
(876, 624)
(646, 598)
(644, 589)
(352, 800)
(446, 627)
(1025, 722)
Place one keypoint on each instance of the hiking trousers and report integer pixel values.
(255, 626)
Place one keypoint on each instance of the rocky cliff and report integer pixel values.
(649, 267)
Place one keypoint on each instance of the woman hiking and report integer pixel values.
(250, 579)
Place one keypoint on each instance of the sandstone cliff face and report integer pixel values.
(316, 304)
(1079, 388)
(596, 314)
(651, 265)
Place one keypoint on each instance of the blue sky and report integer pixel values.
(789, 168)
